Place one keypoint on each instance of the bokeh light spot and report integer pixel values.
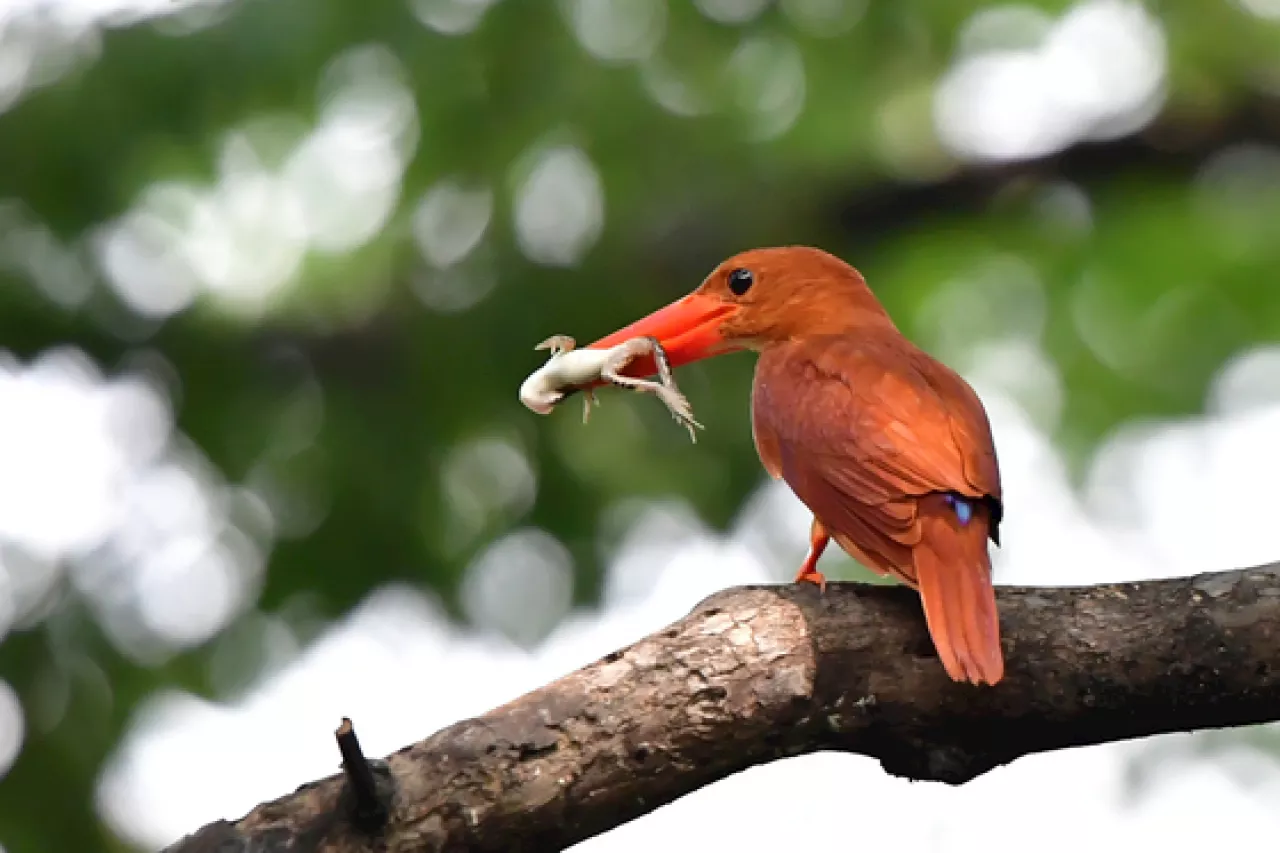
(559, 206)
(485, 480)
(617, 30)
(450, 220)
(734, 12)
(31, 249)
(243, 240)
(1237, 194)
(768, 81)
(1001, 297)
(1267, 9)
(456, 288)
(451, 17)
(1249, 381)
(824, 18)
(346, 175)
(12, 727)
(674, 92)
(1023, 90)
(520, 586)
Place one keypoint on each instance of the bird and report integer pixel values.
(889, 449)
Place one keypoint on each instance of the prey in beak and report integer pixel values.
(690, 329)
(570, 370)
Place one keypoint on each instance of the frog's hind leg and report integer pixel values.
(665, 389)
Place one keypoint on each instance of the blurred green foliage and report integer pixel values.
(1147, 287)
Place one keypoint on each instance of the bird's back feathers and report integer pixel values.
(889, 448)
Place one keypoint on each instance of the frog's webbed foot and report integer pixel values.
(665, 389)
(557, 344)
(679, 407)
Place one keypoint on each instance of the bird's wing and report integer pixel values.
(861, 427)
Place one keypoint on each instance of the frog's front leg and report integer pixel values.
(557, 344)
(588, 400)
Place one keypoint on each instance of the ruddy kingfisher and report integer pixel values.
(890, 449)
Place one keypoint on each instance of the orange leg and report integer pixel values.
(818, 540)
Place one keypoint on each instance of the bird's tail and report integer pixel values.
(953, 573)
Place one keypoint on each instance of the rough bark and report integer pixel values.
(758, 673)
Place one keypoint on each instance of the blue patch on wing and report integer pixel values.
(963, 509)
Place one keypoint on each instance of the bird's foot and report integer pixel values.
(812, 576)
(588, 400)
(818, 541)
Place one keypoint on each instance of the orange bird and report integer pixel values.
(889, 449)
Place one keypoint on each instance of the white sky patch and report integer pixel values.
(42, 40)
(242, 240)
(398, 668)
(1026, 86)
(12, 726)
(95, 484)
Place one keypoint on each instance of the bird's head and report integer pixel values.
(757, 298)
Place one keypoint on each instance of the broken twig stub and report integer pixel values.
(366, 804)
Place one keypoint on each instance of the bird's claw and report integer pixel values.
(814, 577)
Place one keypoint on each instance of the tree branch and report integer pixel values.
(758, 673)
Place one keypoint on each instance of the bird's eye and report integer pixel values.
(740, 281)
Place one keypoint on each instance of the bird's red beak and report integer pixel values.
(689, 329)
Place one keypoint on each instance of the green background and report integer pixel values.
(350, 391)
